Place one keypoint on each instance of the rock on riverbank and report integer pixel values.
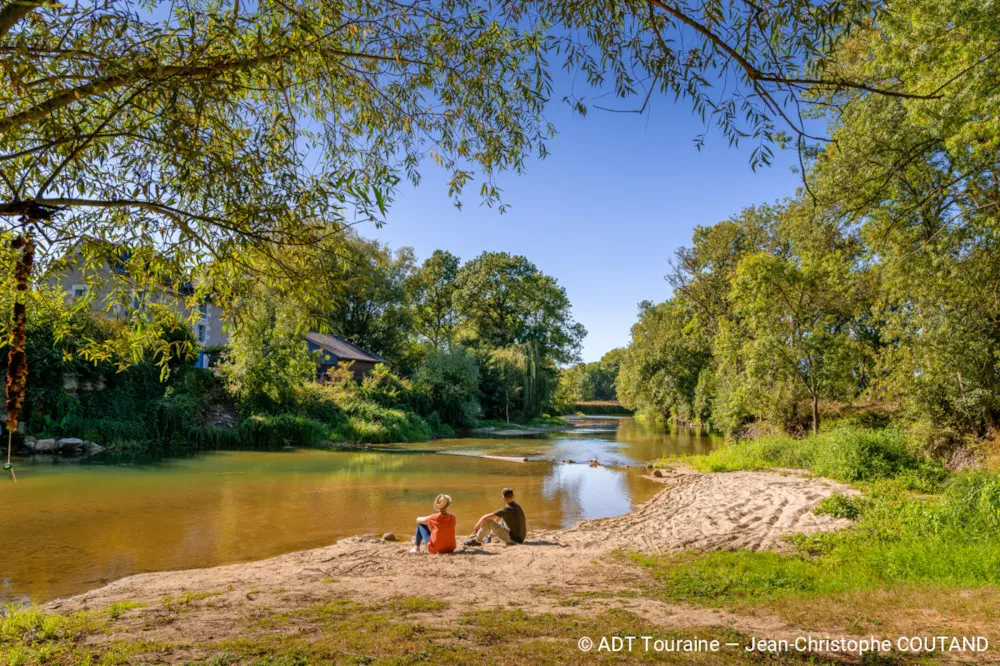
(67, 446)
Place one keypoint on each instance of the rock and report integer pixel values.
(91, 448)
(649, 465)
(70, 444)
(45, 445)
(657, 473)
(594, 463)
(28, 444)
(389, 536)
(569, 462)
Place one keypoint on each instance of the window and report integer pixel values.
(203, 308)
(202, 333)
(78, 291)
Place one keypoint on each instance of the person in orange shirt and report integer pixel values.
(438, 529)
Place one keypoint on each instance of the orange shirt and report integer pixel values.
(442, 533)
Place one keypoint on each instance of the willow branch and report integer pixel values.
(14, 12)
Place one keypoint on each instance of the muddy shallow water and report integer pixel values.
(68, 528)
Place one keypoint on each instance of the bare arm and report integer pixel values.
(479, 523)
(423, 520)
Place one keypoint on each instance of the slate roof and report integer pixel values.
(340, 348)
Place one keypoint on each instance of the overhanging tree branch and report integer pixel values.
(14, 11)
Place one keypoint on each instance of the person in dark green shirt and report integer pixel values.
(507, 525)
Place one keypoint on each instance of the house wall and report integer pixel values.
(115, 303)
(361, 369)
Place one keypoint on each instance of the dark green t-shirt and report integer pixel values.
(514, 517)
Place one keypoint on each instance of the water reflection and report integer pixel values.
(69, 528)
(611, 440)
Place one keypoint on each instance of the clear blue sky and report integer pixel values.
(603, 213)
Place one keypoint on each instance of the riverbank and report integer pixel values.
(556, 579)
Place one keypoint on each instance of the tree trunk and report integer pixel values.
(815, 414)
(17, 361)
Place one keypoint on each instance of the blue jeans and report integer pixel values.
(423, 535)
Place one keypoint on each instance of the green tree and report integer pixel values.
(796, 319)
(432, 290)
(451, 379)
(523, 384)
(919, 181)
(368, 299)
(661, 366)
(267, 358)
(504, 300)
(204, 132)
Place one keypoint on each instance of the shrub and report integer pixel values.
(839, 506)
(384, 388)
(450, 380)
(846, 453)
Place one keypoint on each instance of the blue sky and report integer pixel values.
(603, 213)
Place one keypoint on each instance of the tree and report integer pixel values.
(589, 381)
(267, 358)
(432, 289)
(451, 379)
(661, 366)
(212, 131)
(796, 319)
(919, 183)
(523, 380)
(367, 298)
(752, 69)
(505, 300)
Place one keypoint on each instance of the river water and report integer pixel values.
(68, 528)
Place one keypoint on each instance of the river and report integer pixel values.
(69, 528)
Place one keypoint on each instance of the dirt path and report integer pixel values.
(696, 511)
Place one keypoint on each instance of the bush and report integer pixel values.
(450, 380)
(384, 388)
(352, 415)
(839, 506)
(846, 453)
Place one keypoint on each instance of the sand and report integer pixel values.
(700, 512)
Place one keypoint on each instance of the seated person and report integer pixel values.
(437, 530)
(506, 525)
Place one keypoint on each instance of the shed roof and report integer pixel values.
(341, 348)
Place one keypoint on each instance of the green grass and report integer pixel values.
(601, 408)
(849, 453)
(345, 631)
(947, 536)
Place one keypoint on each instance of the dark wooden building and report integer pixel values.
(334, 350)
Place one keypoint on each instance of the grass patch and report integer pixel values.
(725, 578)
(849, 453)
(601, 408)
(839, 505)
(544, 421)
(116, 610)
(348, 632)
(917, 526)
(29, 636)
